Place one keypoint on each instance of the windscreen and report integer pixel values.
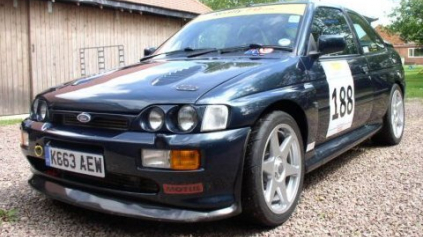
(275, 25)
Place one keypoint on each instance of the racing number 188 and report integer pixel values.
(346, 102)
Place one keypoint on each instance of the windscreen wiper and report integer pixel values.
(254, 46)
(199, 52)
(202, 52)
(187, 49)
(238, 48)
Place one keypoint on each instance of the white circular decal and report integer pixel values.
(284, 42)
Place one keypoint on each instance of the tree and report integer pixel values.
(408, 20)
(223, 4)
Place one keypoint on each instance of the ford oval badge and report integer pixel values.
(84, 117)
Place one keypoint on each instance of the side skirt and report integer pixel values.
(329, 150)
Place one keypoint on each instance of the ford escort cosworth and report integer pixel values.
(225, 117)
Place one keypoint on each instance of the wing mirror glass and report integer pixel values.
(149, 51)
(329, 44)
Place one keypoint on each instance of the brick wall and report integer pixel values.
(403, 52)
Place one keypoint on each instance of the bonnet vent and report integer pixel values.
(175, 76)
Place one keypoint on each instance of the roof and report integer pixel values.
(317, 3)
(394, 39)
(193, 6)
(171, 8)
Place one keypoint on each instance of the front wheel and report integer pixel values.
(394, 120)
(274, 170)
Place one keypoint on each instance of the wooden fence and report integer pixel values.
(43, 44)
(14, 58)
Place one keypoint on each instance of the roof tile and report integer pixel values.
(193, 6)
(394, 39)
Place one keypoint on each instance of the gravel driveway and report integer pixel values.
(369, 191)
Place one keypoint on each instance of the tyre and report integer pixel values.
(394, 120)
(274, 170)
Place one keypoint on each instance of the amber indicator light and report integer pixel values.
(185, 159)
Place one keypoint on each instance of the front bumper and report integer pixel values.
(222, 156)
(121, 207)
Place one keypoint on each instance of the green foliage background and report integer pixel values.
(408, 20)
(223, 4)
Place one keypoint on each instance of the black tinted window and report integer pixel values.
(369, 40)
(331, 21)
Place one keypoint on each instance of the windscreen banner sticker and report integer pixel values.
(295, 9)
(294, 19)
(341, 96)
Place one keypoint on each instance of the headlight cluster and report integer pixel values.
(39, 110)
(185, 118)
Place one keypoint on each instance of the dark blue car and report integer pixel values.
(225, 117)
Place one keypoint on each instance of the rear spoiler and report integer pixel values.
(388, 44)
(371, 19)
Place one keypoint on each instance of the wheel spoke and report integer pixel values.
(275, 145)
(286, 146)
(269, 166)
(282, 193)
(270, 193)
(290, 170)
(401, 119)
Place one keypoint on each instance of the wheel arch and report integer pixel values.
(400, 80)
(293, 109)
(402, 86)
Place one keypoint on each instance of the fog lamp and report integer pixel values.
(156, 158)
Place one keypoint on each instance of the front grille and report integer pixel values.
(97, 121)
(113, 181)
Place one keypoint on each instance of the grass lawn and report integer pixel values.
(10, 122)
(414, 82)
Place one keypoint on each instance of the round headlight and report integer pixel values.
(156, 119)
(35, 107)
(42, 109)
(187, 118)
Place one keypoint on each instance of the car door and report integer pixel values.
(380, 63)
(344, 88)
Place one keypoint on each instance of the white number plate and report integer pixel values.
(78, 162)
(341, 96)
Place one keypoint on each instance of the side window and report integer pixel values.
(369, 40)
(331, 21)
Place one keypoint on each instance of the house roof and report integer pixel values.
(171, 8)
(193, 6)
(394, 39)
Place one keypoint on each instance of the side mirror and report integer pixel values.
(329, 44)
(149, 51)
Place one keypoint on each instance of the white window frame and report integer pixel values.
(413, 50)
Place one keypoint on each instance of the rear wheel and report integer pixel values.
(274, 170)
(394, 120)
